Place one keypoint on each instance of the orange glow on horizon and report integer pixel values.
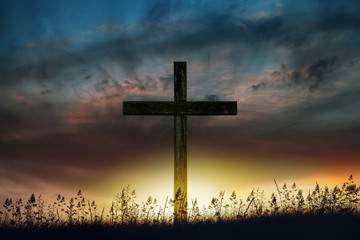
(208, 174)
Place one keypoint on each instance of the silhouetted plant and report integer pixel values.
(194, 213)
(29, 208)
(217, 204)
(124, 210)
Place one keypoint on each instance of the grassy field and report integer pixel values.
(274, 227)
(323, 213)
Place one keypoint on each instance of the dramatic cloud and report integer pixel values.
(310, 77)
(211, 97)
(259, 86)
(65, 69)
(318, 70)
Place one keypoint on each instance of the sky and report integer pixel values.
(67, 66)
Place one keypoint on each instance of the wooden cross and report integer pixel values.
(180, 108)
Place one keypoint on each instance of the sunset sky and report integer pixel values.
(66, 66)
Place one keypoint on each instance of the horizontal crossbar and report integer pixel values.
(188, 108)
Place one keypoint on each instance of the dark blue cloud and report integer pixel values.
(312, 42)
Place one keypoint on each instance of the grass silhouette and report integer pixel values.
(288, 213)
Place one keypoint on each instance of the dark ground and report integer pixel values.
(281, 227)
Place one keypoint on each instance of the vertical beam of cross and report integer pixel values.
(180, 108)
(180, 146)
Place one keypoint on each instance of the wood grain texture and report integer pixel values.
(180, 108)
(172, 108)
(180, 81)
(180, 168)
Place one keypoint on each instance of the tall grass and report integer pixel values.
(125, 210)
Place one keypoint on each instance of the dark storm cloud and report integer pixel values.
(334, 116)
(8, 119)
(341, 20)
(99, 146)
(46, 91)
(318, 70)
(39, 62)
(211, 97)
(166, 81)
(158, 11)
(259, 86)
(346, 102)
(311, 78)
(244, 35)
(316, 128)
(310, 39)
(107, 82)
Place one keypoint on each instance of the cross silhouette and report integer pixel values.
(180, 108)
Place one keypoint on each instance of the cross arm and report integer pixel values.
(188, 108)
